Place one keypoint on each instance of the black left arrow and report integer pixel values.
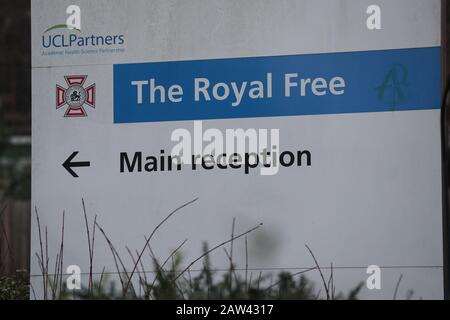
(68, 164)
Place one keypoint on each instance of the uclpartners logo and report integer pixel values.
(73, 40)
(70, 35)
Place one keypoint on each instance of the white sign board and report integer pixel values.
(342, 97)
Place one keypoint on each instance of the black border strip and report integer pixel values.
(444, 148)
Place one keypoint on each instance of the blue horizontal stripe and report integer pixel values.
(375, 81)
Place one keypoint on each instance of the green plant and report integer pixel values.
(208, 285)
(14, 287)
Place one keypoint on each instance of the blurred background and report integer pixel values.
(15, 135)
(15, 131)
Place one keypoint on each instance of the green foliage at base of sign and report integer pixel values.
(207, 284)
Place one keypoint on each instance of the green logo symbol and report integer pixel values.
(61, 26)
(392, 90)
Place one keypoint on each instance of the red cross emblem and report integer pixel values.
(75, 96)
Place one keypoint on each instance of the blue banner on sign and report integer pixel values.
(313, 84)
